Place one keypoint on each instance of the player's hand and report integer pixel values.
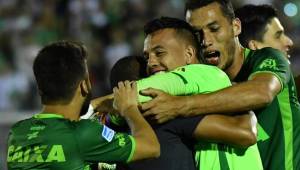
(125, 96)
(162, 107)
(103, 104)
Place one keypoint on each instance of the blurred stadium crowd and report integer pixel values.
(111, 29)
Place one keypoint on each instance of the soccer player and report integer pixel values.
(175, 39)
(265, 85)
(55, 138)
(176, 136)
(262, 28)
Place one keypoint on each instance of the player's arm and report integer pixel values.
(103, 103)
(252, 94)
(237, 130)
(261, 88)
(125, 101)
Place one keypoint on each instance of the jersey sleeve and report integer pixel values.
(186, 80)
(274, 62)
(184, 126)
(98, 142)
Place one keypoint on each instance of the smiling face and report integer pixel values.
(275, 37)
(164, 51)
(219, 34)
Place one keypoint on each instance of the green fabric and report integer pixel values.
(132, 150)
(48, 141)
(287, 118)
(223, 157)
(47, 115)
(186, 80)
(116, 119)
(196, 79)
(261, 134)
(280, 119)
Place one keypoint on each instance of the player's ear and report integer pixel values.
(190, 54)
(84, 87)
(237, 27)
(252, 44)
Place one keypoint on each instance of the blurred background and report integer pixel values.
(110, 29)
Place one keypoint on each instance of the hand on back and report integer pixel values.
(125, 96)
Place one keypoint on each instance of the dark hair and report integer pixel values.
(128, 68)
(58, 68)
(182, 29)
(225, 5)
(254, 19)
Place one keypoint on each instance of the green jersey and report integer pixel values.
(199, 79)
(48, 141)
(281, 118)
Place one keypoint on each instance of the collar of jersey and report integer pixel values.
(47, 115)
(246, 53)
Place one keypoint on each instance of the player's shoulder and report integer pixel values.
(268, 52)
(202, 67)
(22, 123)
(88, 123)
(87, 126)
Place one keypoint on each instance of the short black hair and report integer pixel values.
(128, 68)
(58, 69)
(226, 6)
(254, 19)
(182, 29)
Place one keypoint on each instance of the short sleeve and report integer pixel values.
(98, 142)
(184, 127)
(274, 62)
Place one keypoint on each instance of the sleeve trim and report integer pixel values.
(270, 72)
(132, 149)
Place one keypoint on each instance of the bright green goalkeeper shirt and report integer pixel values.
(48, 141)
(196, 79)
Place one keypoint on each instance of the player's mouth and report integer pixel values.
(156, 70)
(212, 57)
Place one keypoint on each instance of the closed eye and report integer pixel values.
(160, 53)
(214, 29)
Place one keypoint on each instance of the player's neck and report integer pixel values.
(237, 64)
(68, 111)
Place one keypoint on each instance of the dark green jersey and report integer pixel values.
(281, 118)
(48, 141)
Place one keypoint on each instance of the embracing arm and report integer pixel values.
(103, 103)
(249, 95)
(237, 130)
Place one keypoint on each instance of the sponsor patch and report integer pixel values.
(107, 133)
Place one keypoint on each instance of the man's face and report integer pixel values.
(163, 51)
(219, 34)
(275, 37)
